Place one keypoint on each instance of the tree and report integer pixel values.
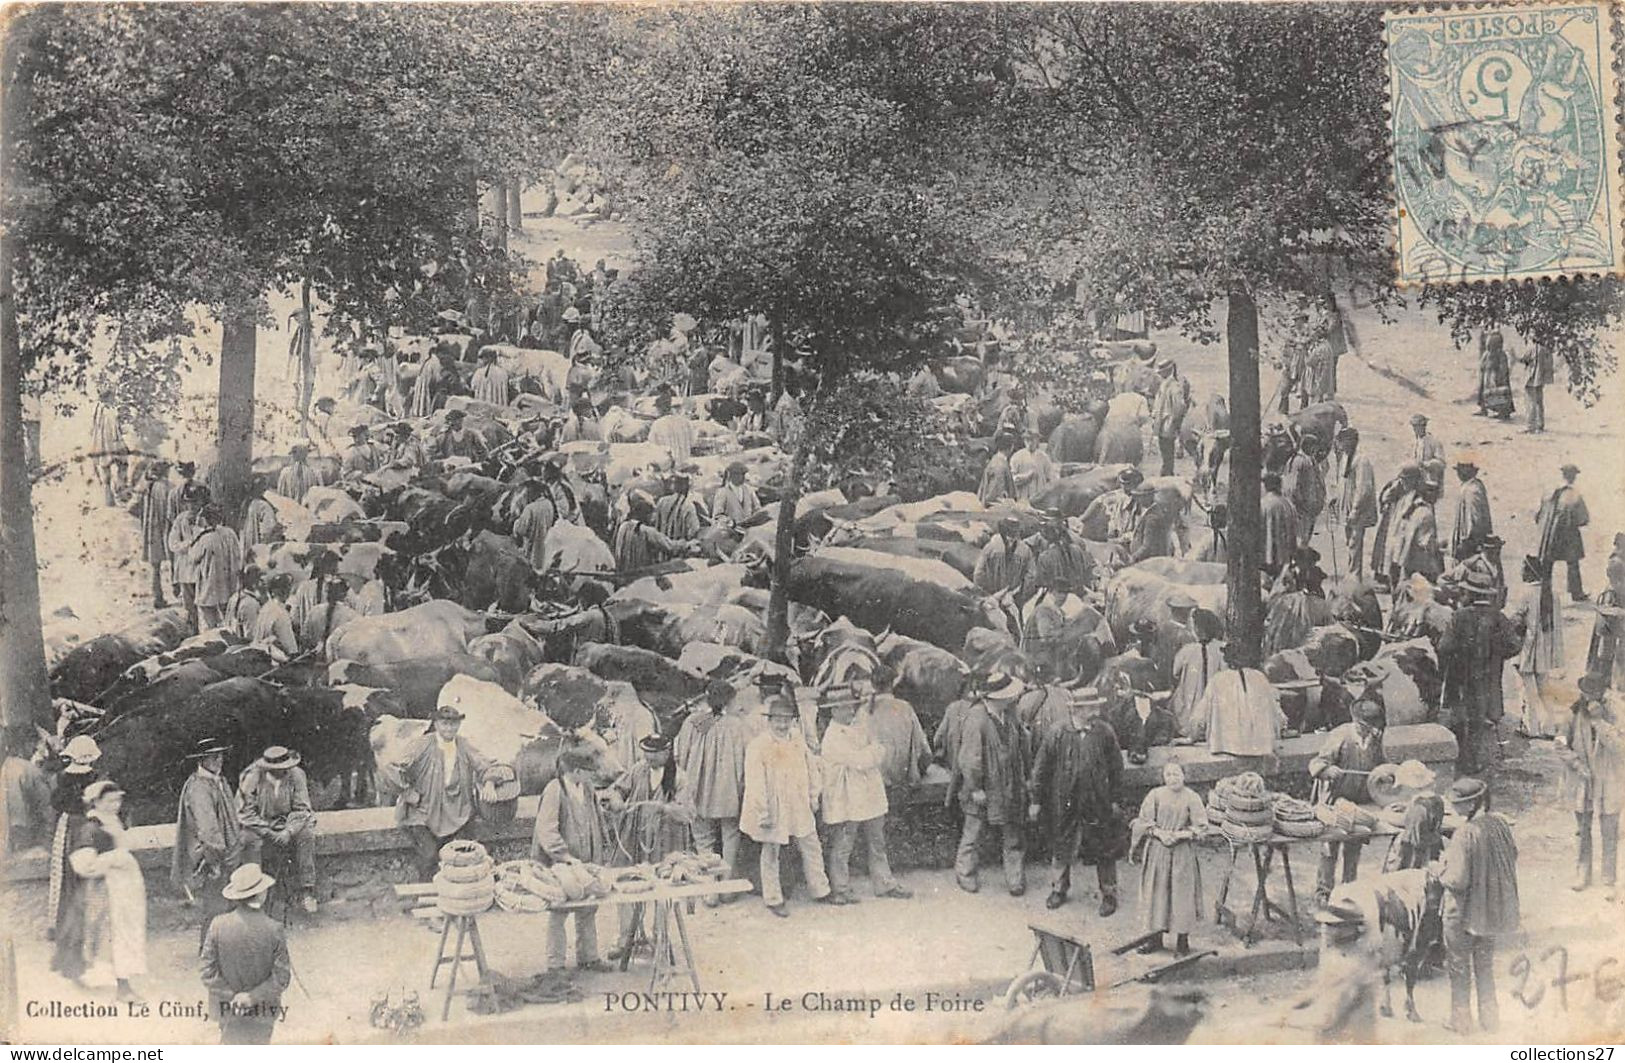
(800, 175)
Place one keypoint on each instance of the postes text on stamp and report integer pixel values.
(1503, 124)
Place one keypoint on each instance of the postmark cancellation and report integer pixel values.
(1503, 121)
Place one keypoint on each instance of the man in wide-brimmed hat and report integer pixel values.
(989, 782)
(782, 788)
(1473, 653)
(362, 456)
(736, 501)
(245, 964)
(460, 441)
(854, 800)
(1109, 515)
(1480, 877)
(710, 752)
(1355, 503)
(442, 769)
(1341, 768)
(1077, 776)
(1594, 763)
(1562, 515)
(155, 505)
(208, 837)
(1168, 411)
(273, 802)
(1279, 521)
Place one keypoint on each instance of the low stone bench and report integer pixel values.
(361, 852)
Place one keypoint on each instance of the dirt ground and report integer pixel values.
(945, 941)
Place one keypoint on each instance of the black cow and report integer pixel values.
(416, 683)
(882, 598)
(661, 682)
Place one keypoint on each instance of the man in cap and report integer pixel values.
(1424, 448)
(460, 441)
(989, 782)
(1473, 520)
(1537, 363)
(245, 963)
(1279, 521)
(1031, 470)
(216, 557)
(1295, 364)
(854, 794)
(1061, 564)
(405, 450)
(1480, 876)
(490, 382)
(1168, 412)
(441, 772)
(1111, 511)
(1562, 514)
(710, 753)
(155, 514)
(1593, 752)
(1356, 501)
(1473, 652)
(208, 837)
(1305, 487)
(273, 806)
(1006, 563)
(1340, 769)
(1077, 776)
(735, 501)
(298, 476)
(570, 826)
(782, 788)
(676, 515)
(998, 483)
(363, 456)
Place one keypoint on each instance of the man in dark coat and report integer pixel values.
(245, 961)
(1537, 363)
(989, 780)
(1006, 563)
(1473, 520)
(1076, 777)
(155, 517)
(1390, 503)
(1060, 561)
(1480, 877)
(442, 770)
(1561, 517)
(1473, 652)
(1341, 768)
(1279, 521)
(208, 837)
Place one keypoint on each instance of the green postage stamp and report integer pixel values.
(1503, 122)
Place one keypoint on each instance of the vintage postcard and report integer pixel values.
(532, 523)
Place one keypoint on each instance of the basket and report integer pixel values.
(463, 853)
(472, 905)
(1261, 818)
(1238, 833)
(1248, 803)
(1250, 782)
(1300, 828)
(463, 874)
(464, 891)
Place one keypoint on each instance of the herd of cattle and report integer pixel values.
(878, 577)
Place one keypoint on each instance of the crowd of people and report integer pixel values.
(1032, 752)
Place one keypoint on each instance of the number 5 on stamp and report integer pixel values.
(1504, 129)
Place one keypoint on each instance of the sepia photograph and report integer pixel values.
(785, 523)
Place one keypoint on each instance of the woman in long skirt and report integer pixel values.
(1494, 377)
(114, 939)
(1164, 835)
(1541, 615)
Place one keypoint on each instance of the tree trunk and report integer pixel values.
(1245, 623)
(784, 539)
(235, 444)
(516, 209)
(307, 351)
(25, 686)
(778, 361)
(499, 213)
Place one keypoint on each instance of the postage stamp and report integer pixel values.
(1503, 123)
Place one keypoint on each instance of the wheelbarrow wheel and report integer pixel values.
(1033, 986)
